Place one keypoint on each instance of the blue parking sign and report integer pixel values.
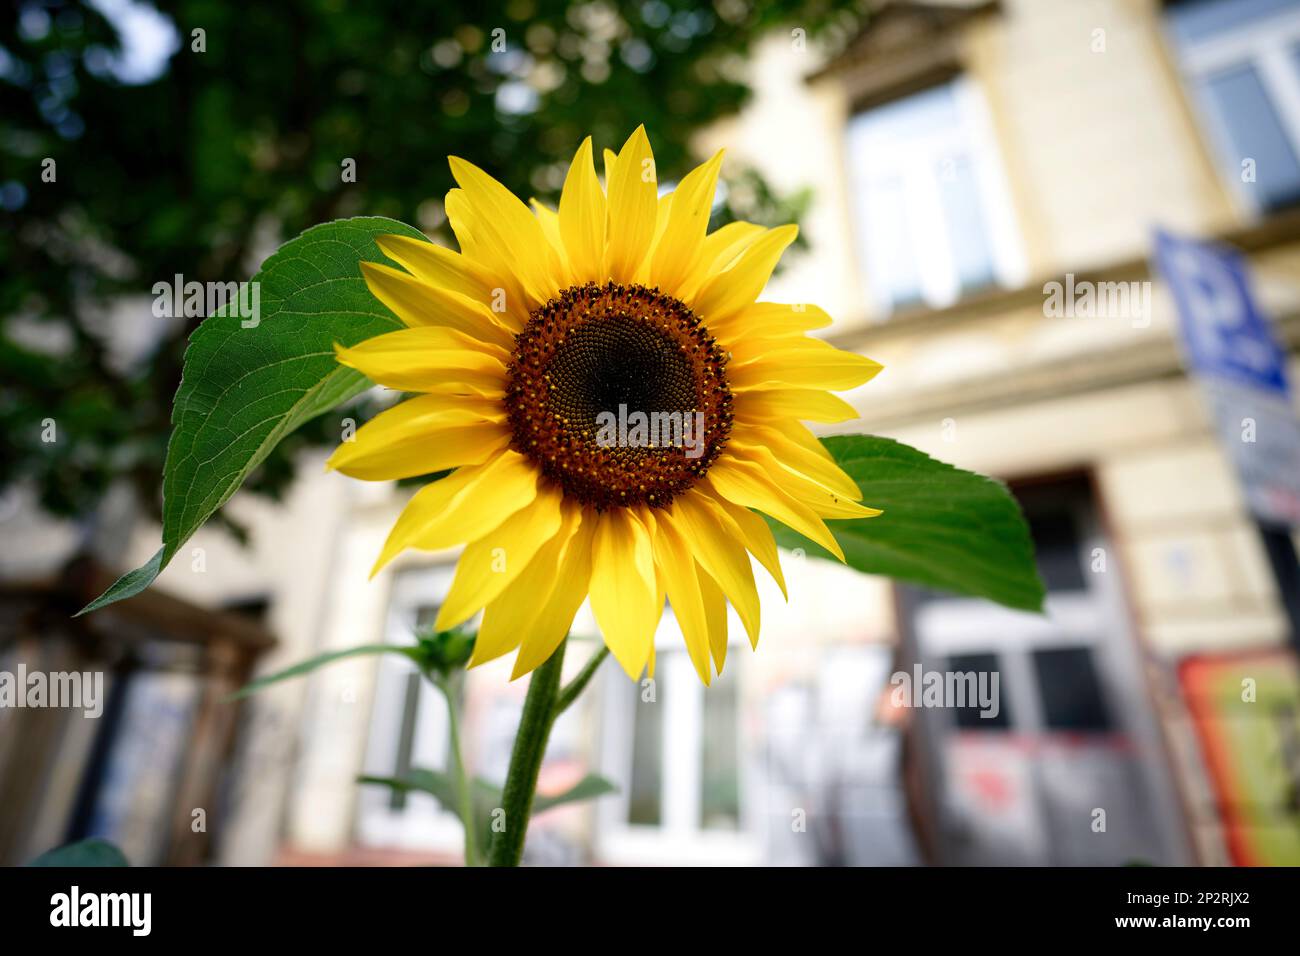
(1230, 349)
(1224, 333)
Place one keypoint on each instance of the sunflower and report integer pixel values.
(542, 357)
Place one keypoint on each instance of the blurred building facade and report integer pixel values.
(963, 156)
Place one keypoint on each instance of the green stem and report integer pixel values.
(526, 760)
(464, 788)
(576, 686)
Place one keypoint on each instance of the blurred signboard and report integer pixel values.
(1229, 346)
(1246, 711)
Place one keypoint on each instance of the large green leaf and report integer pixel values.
(942, 527)
(244, 389)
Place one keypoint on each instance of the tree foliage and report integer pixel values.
(196, 144)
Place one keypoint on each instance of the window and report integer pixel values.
(1069, 689)
(678, 759)
(931, 205)
(720, 757)
(1055, 530)
(645, 801)
(1242, 63)
(971, 716)
(692, 774)
(408, 728)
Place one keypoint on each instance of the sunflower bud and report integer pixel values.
(443, 652)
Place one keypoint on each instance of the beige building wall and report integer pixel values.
(1095, 130)
(1099, 143)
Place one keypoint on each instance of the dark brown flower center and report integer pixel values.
(619, 394)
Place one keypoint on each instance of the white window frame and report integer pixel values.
(876, 158)
(1264, 44)
(422, 824)
(678, 839)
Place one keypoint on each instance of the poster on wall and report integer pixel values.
(1246, 712)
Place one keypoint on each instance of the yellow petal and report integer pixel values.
(439, 266)
(571, 571)
(678, 249)
(506, 232)
(423, 435)
(746, 484)
(507, 618)
(720, 554)
(802, 404)
(662, 212)
(488, 565)
(623, 591)
(725, 245)
(632, 208)
(549, 220)
(715, 613)
(765, 321)
(677, 570)
(505, 293)
(824, 501)
(737, 287)
(582, 218)
(517, 611)
(813, 463)
(426, 358)
(417, 303)
(800, 434)
(719, 251)
(810, 364)
(464, 506)
(460, 216)
(753, 532)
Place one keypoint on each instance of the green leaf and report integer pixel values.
(487, 796)
(129, 584)
(302, 667)
(92, 852)
(243, 389)
(588, 788)
(440, 785)
(942, 527)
